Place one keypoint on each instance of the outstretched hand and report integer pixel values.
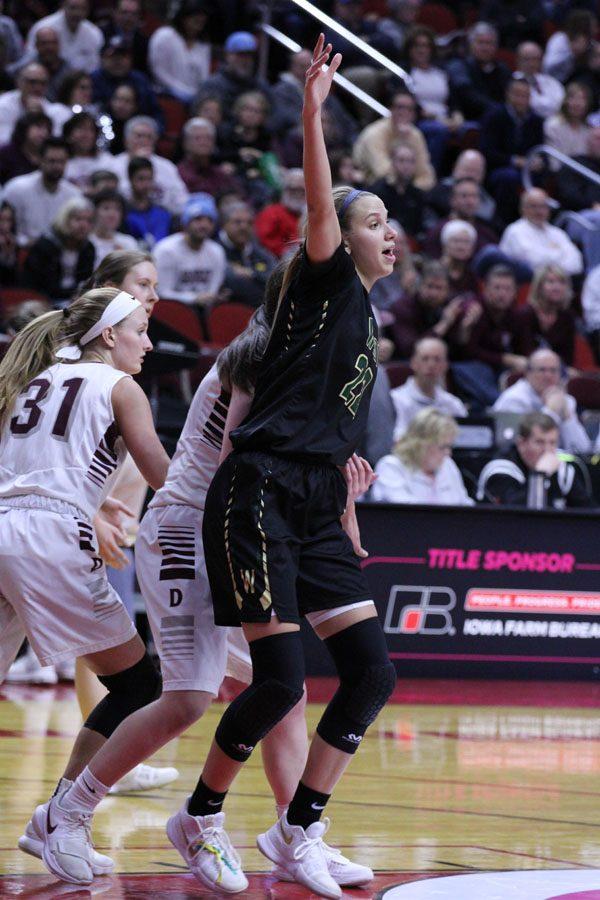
(319, 75)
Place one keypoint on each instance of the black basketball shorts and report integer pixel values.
(273, 541)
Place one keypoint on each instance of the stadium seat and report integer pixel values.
(583, 357)
(226, 320)
(523, 293)
(180, 317)
(10, 296)
(437, 17)
(586, 390)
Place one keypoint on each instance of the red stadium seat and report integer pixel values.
(586, 390)
(175, 114)
(583, 358)
(10, 296)
(180, 317)
(508, 57)
(226, 320)
(398, 373)
(437, 17)
(523, 293)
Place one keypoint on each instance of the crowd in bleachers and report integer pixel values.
(161, 126)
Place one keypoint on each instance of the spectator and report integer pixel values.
(102, 180)
(145, 220)
(47, 54)
(237, 74)
(516, 20)
(532, 240)
(432, 92)
(125, 23)
(122, 106)
(350, 15)
(404, 202)
(7, 81)
(278, 225)
(458, 240)
(508, 133)
(343, 170)
(542, 390)
(9, 259)
(479, 82)
(424, 311)
(402, 16)
(547, 93)
(191, 266)
(568, 130)
(489, 333)
(82, 134)
(22, 155)
(424, 389)
(287, 99)
(141, 135)
(37, 197)
(115, 69)
(465, 200)
(469, 164)
(11, 38)
(245, 140)
(402, 281)
(198, 169)
(373, 147)
(532, 473)
(248, 265)
(179, 54)
(569, 49)
(420, 468)
(546, 320)
(80, 39)
(61, 259)
(105, 235)
(590, 303)
(29, 96)
(211, 108)
(76, 92)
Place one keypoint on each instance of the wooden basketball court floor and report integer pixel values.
(465, 789)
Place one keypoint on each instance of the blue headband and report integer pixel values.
(348, 199)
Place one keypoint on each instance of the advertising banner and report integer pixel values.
(476, 591)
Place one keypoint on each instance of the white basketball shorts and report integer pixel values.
(195, 654)
(53, 586)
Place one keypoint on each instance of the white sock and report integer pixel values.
(281, 808)
(85, 793)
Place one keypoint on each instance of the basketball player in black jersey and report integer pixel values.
(274, 546)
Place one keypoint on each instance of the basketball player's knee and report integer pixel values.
(128, 691)
(186, 707)
(356, 704)
(277, 686)
(367, 680)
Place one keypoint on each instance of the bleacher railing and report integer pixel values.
(560, 157)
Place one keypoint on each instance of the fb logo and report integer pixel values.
(420, 610)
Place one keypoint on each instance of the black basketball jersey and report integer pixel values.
(312, 395)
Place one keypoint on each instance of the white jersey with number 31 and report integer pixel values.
(61, 440)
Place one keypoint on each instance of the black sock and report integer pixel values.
(204, 801)
(306, 806)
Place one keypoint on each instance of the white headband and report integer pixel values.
(117, 310)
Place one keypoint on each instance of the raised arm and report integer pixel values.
(323, 230)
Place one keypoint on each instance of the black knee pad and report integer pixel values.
(127, 691)
(367, 680)
(277, 685)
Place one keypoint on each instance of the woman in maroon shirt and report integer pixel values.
(546, 320)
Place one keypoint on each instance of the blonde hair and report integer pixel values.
(538, 281)
(429, 426)
(34, 348)
(60, 223)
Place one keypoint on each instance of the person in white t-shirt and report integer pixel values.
(532, 240)
(80, 39)
(30, 96)
(420, 468)
(542, 390)
(37, 197)
(424, 389)
(179, 53)
(191, 267)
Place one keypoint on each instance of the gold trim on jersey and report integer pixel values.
(265, 598)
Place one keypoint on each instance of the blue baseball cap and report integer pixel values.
(199, 205)
(241, 42)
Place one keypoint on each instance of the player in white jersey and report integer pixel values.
(195, 654)
(68, 413)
